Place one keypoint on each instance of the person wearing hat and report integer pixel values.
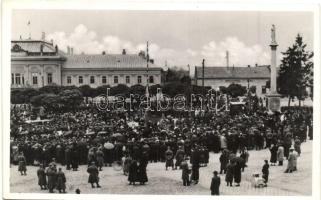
(61, 181)
(22, 168)
(93, 175)
(185, 172)
(100, 158)
(291, 161)
(215, 184)
(42, 181)
(51, 176)
(280, 154)
(265, 171)
(179, 156)
(169, 155)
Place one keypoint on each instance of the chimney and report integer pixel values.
(72, 51)
(43, 36)
(256, 65)
(103, 53)
(20, 37)
(56, 48)
(124, 52)
(68, 50)
(248, 65)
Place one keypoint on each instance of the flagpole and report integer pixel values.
(29, 29)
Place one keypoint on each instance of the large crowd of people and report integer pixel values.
(99, 139)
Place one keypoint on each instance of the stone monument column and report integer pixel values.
(273, 96)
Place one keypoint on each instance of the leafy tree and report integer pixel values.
(86, 91)
(186, 80)
(153, 89)
(253, 89)
(137, 89)
(70, 99)
(174, 88)
(296, 71)
(223, 89)
(21, 96)
(236, 90)
(120, 89)
(53, 89)
(102, 90)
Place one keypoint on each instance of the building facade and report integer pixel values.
(37, 63)
(215, 77)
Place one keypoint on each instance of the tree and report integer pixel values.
(86, 91)
(53, 89)
(296, 71)
(70, 99)
(137, 89)
(120, 89)
(102, 90)
(236, 90)
(253, 89)
(21, 96)
(153, 89)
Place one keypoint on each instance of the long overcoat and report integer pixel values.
(93, 174)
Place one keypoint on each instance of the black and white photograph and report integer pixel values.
(161, 102)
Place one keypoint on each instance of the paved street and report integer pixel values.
(169, 182)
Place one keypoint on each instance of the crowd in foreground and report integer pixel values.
(98, 140)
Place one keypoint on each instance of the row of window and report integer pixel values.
(19, 79)
(104, 79)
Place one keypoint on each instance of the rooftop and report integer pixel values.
(233, 72)
(106, 61)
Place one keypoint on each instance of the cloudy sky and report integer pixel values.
(176, 37)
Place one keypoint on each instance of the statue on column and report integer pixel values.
(273, 34)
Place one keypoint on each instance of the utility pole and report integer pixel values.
(203, 67)
(227, 59)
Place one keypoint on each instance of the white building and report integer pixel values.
(37, 63)
(224, 76)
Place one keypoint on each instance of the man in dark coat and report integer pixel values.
(51, 174)
(185, 173)
(61, 181)
(215, 184)
(195, 161)
(169, 155)
(273, 158)
(22, 168)
(93, 175)
(42, 181)
(179, 157)
(74, 158)
(141, 172)
(68, 157)
(224, 161)
(265, 171)
(229, 174)
(132, 173)
(238, 173)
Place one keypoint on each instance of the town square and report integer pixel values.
(161, 103)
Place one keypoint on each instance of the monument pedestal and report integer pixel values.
(274, 102)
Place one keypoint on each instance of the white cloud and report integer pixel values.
(87, 41)
(239, 53)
